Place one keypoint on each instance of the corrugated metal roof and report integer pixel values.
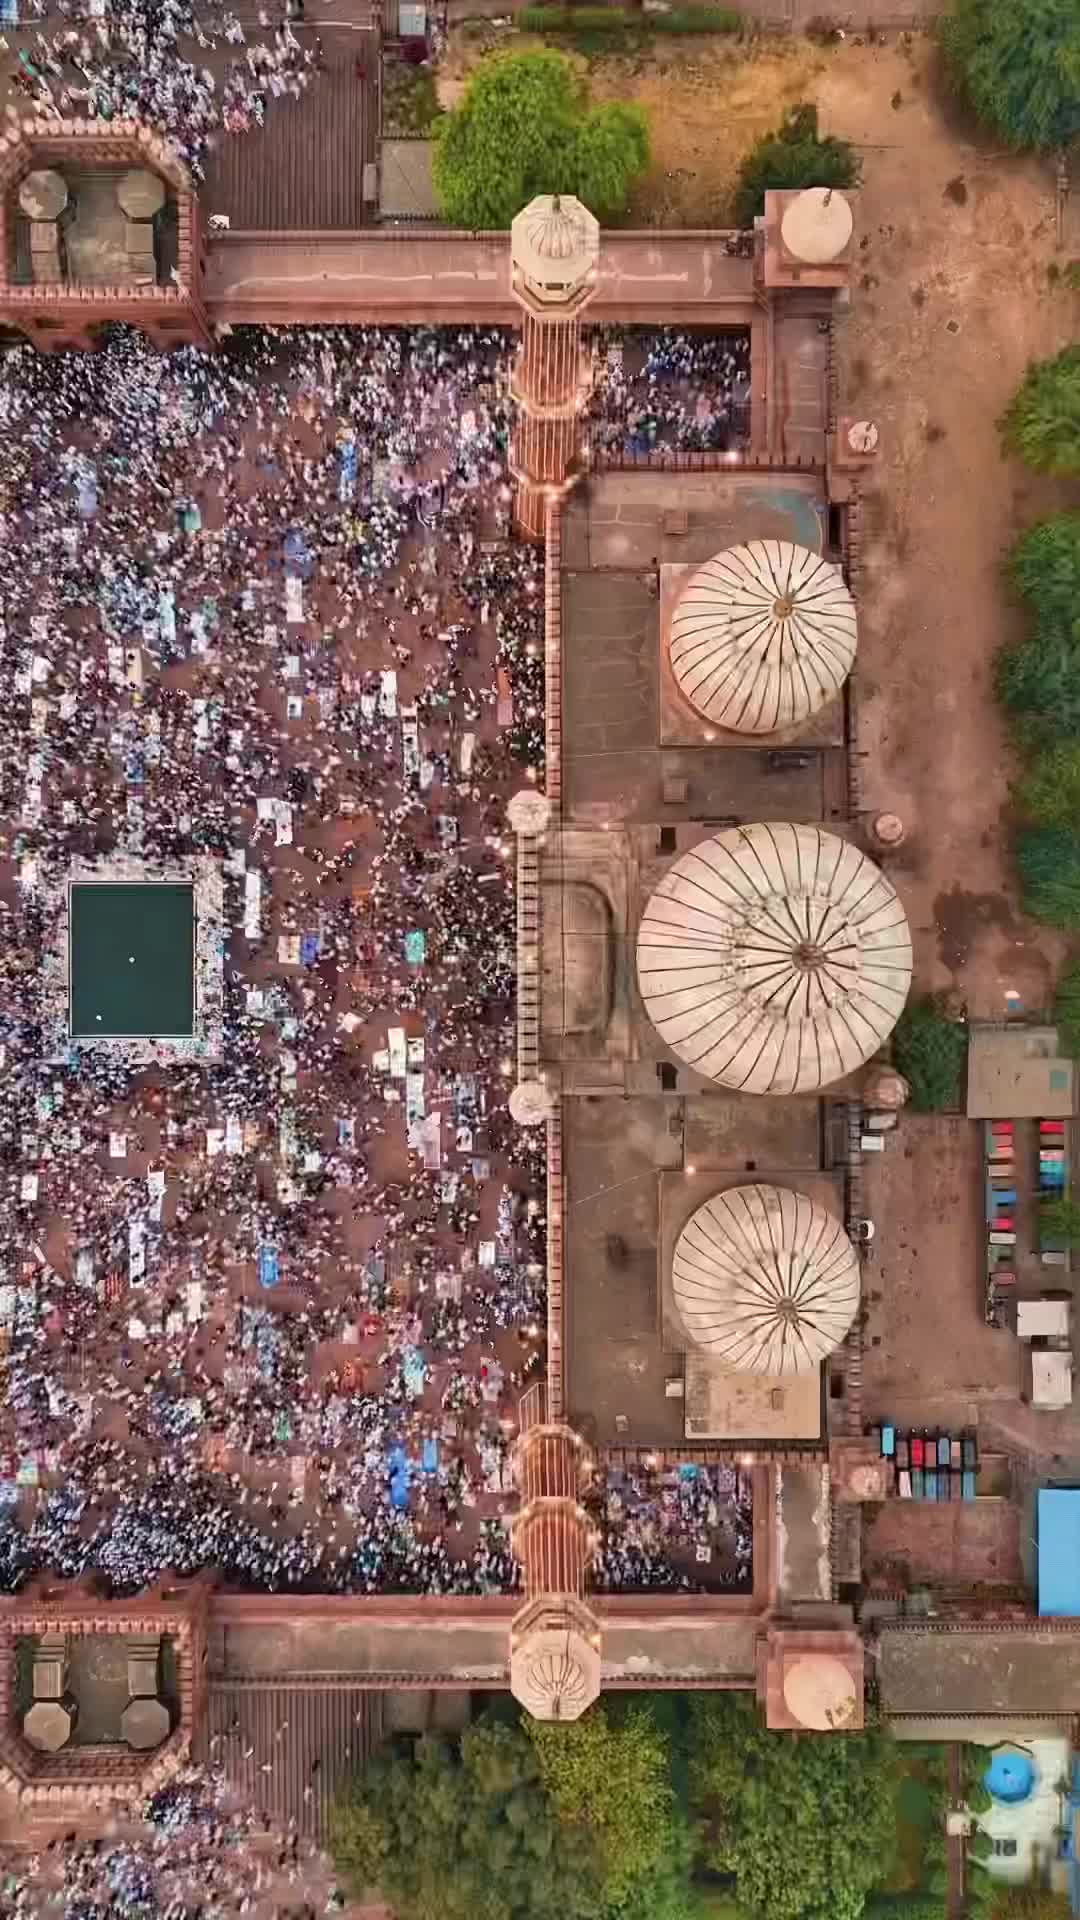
(304, 170)
(287, 1746)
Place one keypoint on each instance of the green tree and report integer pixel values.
(1041, 423)
(1067, 1010)
(524, 127)
(614, 1780)
(930, 1051)
(1038, 683)
(1019, 66)
(1059, 1224)
(464, 1832)
(801, 1823)
(1044, 567)
(1050, 789)
(1049, 862)
(796, 155)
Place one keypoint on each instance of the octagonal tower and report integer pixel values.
(555, 247)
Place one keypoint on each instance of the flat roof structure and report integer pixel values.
(973, 1670)
(132, 961)
(406, 189)
(1018, 1073)
(1058, 1536)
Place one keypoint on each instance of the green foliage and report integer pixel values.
(524, 127)
(1049, 862)
(1019, 66)
(1059, 1223)
(979, 1846)
(1050, 789)
(1067, 1010)
(1030, 1903)
(978, 1796)
(464, 1833)
(614, 1782)
(619, 23)
(410, 104)
(794, 156)
(930, 1051)
(1044, 566)
(904, 1906)
(801, 1824)
(1038, 683)
(1041, 424)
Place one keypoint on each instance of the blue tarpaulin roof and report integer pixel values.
(1059, 1550)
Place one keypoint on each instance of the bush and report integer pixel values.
(618, 23)
(1067, 1010)
(930, 1051)
(1044, 567)
(1049, 861)
(979, 1846)
(794, 156)
(1059, 1226)
(1038, 682)
(410, 105)
(904, 1906)
(1050, 789)
(1018, 66)
(1041, 424)
(524, 127)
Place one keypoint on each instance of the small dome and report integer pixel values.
(766, 1279)
(820, 1693)
(555, 1674)
(774, 958)
(555, 241)
(762, 636)
(817, 226)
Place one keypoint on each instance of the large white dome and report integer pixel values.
(762, 636)
(774, 958)
(766, 1279)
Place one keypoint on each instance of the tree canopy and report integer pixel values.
(1044, 567)
(1019, 66)
(1049, 861)
(796, 155)
(613, 1779)
(464, 1833)
(802, 1823)
(523, 127)
(1042, 421)
(930, 1051)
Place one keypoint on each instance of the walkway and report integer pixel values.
(403, 279)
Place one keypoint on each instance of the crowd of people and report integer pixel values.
(274, 1311)
(190, 1853)
(660, 388)
(130, 61)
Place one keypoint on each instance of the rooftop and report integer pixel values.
(1017, 1072)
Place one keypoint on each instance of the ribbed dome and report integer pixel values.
(763, 636)
(555, 240)
(555, 1674)
(774, 958)
(766, 1279)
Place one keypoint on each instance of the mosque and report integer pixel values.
(711, 958)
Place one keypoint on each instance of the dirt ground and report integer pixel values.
(953, 299)
(976, 1542)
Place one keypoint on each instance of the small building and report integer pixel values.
(1058, 1542)
(1018, 1073)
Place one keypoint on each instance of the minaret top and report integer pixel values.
(554, 245)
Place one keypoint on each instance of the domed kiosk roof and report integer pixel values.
(820, 1693)
(766, 1279)
(555, 1674)
(774, 958)
(817, 226)
(762, 636)
(555, 239)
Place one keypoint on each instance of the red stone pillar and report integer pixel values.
(555, 248)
